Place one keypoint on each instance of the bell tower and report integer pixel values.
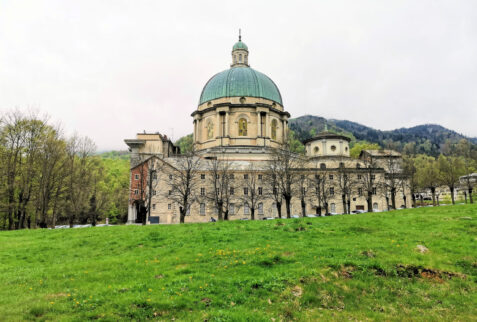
(240, 53)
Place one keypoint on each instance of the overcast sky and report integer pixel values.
(110, 69)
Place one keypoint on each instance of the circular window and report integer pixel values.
(316, 149)
(333, 148)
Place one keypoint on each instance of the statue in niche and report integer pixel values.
(274, 129)
(210, 130)
(242, 127)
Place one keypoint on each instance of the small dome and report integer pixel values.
(240, 45)
(240, 82)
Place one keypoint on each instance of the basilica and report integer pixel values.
(241, 119)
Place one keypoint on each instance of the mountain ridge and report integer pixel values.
(423, 138)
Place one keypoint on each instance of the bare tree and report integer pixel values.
(346, 184)
(369, 182)
(322, 189)
(411, 179)
(273, 188)
(284, 165)
(393, 178)
(220, 180)
(450, 169)
(466, 150)
(182, 179)
(252, 185)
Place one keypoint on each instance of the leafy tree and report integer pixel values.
(450, 168)
(185, 143)
(356, 149)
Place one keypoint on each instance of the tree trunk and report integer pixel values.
(279, 209)
(404, 198)
(422, 199)
(470, 196)
(252, 213)
(287, 204)
(226, 214)
(393, 198)
(452, 195)
(303, 208)
(349, 206)
(182, 214)
(343, 199)
(433, 191)
(219, 211)
(369, 200)
(465, 196)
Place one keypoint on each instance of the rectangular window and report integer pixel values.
(231, 209)
(217, 177)
(170, 192)
(231, 176)
(260, 208)
(359, 177)
(245, 176)
(202, 209)
(170, 177)
(260, 191)
(232, 191)
(245, 191)
(136, 176)
(373, 177)
(154, 175)
(332, 191)
(360, 191)
(202, 176)
(246, 209)
(374, 190)
(260, 177)
(202, 191)
(153, 206)
(153, 192)
(136, 192)
(331, 177)
(169, 206)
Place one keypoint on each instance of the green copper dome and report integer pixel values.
(240, 45)
(238, 82)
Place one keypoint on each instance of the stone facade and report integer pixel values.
(241, 120)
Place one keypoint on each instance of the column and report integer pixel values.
(227, 129)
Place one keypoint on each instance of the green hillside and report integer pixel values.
(341, 267)
(426, 139)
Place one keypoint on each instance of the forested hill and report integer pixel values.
(427, 138)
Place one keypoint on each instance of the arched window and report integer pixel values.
(333, 208)
(322, 166)
(274, 129)
(240, 58)
(317, 149)
(246, 209)
(375, 206)
(260, 208)
(242, 123)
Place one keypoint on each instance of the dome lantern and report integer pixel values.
(240, 53)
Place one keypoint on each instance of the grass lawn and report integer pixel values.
(360, 267)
